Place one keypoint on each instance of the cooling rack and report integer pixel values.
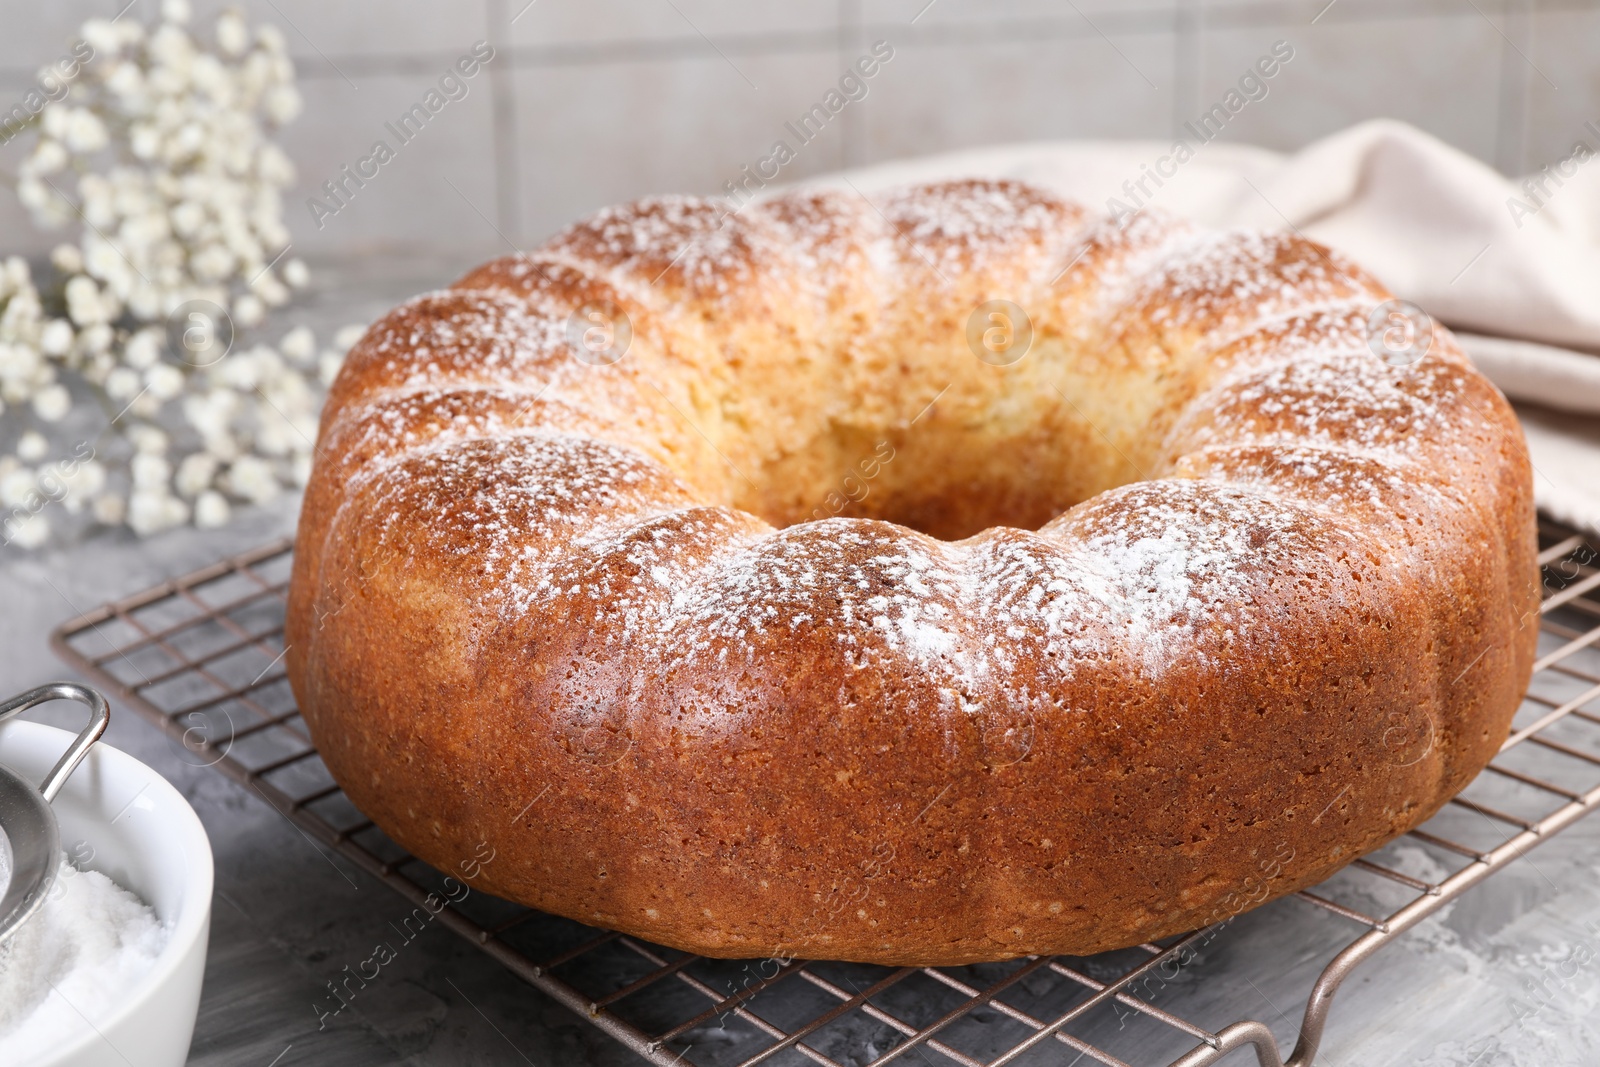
(201, 657)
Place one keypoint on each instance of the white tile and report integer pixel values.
(1563, 50)
(319, 31)
(33, 35)
(935, 98)
(998, 15)
(1440, 73)
(600, 134)
(314, 29)
(570, 22)
(410, 201)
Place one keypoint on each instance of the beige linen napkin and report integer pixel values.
(1512, 266)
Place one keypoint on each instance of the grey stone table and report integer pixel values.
(1459, 991)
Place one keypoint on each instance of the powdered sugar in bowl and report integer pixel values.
(122, 823)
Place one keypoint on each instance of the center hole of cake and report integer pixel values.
(951, 474)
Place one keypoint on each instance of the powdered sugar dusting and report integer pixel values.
(549, 508)
(1324, 478)
(450, 336)
(969, 226)
(1171, 560)
(511, 505)
(857, 576)
(1215, 279)
(1340, 400)
(1150, 574)
(674, 241)
(1147, 576)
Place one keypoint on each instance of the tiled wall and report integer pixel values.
(594, 101)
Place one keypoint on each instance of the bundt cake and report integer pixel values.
(945, 576)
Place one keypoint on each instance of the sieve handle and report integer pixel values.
(100, 717)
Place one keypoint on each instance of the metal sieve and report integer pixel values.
(26, 819)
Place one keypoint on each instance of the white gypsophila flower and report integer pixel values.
(17, 276)
(163, 152)
(32, 446)
(146, 231)
(211, 509)
(195, 474)
(95, 368)
(84, 132)
(152, 510)
(102, 35)
(53, 121)
(173, 53)
(16, 485)
(275, 435)
(93, 340)
(328, 367)
(188, 218)
(248, 310)
(30, 531)
(271, 38)
(145, 141)
(126, 81)
(35, 196)
(211, 412)
(143, 349)
(20, 367)
(109, 509)
(272, 292)
(52, 403)
(164, 381)
(48, 158)
(82, 484)
(146, 302)
(239, 372)
(55, 339)
(83, 300)
(233, 36)
(275, 171)
(147, 438)
(150, 471)
(212, 262)
(97, 201)
(224, 445)
(252, 478)
(299, 346)
(347, 336)
(123, 383)
(211, 78)
(283, 104)
(67, 259)
(105, 262)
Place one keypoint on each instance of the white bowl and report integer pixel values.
(147, 839)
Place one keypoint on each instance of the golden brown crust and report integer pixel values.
(1225, 600)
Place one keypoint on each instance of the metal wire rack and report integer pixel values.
(201, 658)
